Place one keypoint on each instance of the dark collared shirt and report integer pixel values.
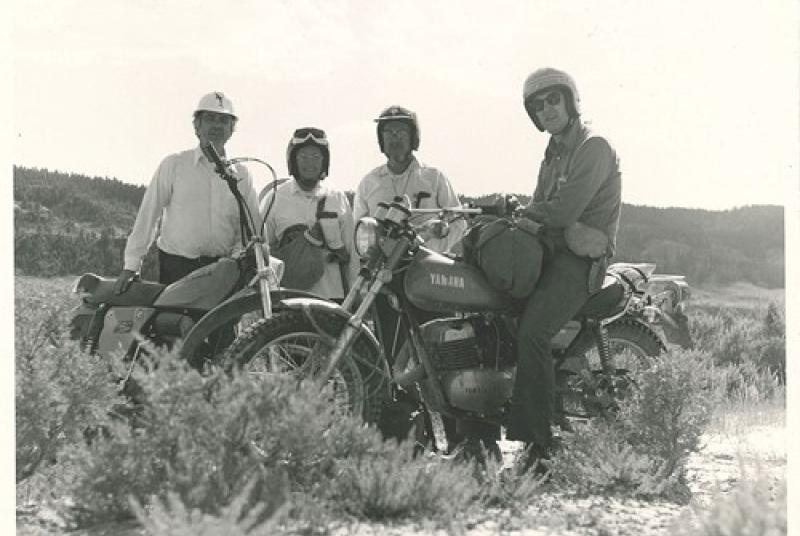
(579, 180)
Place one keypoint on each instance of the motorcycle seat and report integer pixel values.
(101, 290)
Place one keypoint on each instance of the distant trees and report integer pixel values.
(743, 244)
(68, 223)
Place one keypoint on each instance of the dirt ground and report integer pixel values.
(724, 461)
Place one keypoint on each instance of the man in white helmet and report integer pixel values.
(403, 177)
(577, 202)
(198, 214)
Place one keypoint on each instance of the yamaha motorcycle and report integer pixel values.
(459, 354)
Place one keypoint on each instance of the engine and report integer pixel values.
(475, 359)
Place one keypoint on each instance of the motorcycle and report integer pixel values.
(195, 310)
(462, 362)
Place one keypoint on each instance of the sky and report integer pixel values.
(700, 98)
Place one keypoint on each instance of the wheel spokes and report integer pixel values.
(302, 356)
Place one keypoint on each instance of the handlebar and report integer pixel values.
(446, 210)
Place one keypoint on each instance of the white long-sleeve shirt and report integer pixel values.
(198, 213)
(293, 206)
(381, 185)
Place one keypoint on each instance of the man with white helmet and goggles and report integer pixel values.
(198, 214)
(322, 214)
(577, 202)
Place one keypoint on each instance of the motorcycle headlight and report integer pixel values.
(368, 232)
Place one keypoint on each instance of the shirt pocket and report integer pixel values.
(423, 199)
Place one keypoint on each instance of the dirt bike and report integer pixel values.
(462, 362)
(194, 310)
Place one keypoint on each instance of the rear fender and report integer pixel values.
(574, 358)
(669, 294)
(313, 308)
(86, 321)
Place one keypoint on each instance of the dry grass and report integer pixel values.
(739, 296)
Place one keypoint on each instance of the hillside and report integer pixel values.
(69, 223)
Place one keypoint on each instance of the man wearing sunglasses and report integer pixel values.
(322, 214)
(198, 214)
(577, 203)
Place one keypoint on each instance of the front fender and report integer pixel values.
(314, 306)
(244, 301)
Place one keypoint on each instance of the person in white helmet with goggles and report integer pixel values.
(403, 178)
(305, 203)
(198, 214)
(577, 202)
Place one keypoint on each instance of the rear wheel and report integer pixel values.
(288, 343)
(592, 392)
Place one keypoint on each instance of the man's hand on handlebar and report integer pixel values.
(124, 280)
(434, 228)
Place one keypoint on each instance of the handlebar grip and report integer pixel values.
(491, 210)
(212, 153)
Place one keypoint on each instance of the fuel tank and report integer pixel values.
(434, 282)
(202, 289)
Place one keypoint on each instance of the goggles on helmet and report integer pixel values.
(317, 135)
(553, 99)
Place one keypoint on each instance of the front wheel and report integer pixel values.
(591, 391)
(288, 343)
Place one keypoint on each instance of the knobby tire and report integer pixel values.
(359, 370)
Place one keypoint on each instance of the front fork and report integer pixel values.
(265, 275)
(355, 322)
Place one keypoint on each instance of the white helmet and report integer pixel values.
(217, 102)
(549, 78)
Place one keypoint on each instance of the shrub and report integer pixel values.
(171, 517)
(199, 437)
(669, 406)
(643, 451)
(60, 392)
(504, 488)
(754, 507)
(746, 383)
(757, 337)
(204, 437)
(597, 459)
(393, 484)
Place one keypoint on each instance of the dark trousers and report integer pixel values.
(171, 267)
(562, 289)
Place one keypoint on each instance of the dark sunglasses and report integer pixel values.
(553, 98)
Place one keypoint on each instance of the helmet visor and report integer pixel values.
(317, 135)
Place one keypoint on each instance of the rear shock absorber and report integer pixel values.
(603, 347)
